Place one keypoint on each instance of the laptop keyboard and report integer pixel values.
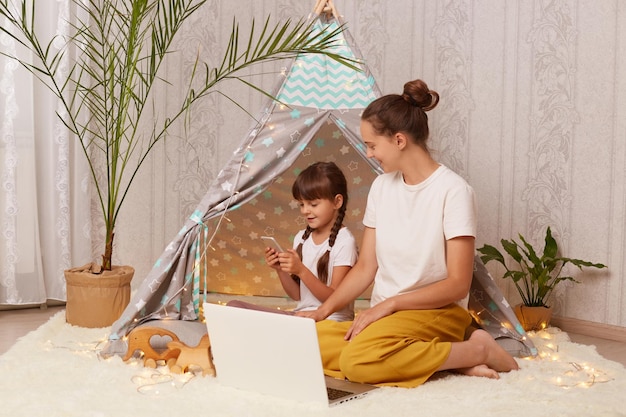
(334, 393)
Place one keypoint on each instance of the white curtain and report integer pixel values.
(44, 181)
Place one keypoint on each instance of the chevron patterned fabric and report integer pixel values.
(320, 82)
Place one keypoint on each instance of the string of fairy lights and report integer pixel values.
(572, 374)
(157, 381)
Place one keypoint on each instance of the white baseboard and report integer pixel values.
(49, 303)
(590, 328)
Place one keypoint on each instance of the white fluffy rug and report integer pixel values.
(56, 371)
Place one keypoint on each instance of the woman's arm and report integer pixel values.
(354, 283)
(460, 265)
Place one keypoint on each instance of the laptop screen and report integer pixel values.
(269, 353)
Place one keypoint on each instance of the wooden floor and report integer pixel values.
(17, 323)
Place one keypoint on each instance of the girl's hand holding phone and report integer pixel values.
(272, 250)
(290, 262)
(271, 258)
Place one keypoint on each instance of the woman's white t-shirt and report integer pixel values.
(343, 253)
(412, 224)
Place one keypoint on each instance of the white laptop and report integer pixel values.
(273, 354)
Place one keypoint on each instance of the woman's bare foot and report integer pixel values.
(498, 359)
(479, 355)
(479, 370)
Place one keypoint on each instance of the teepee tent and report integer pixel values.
(316, 117)
(492, 312)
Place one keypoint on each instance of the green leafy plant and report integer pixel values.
(536, 275)
(106, 96)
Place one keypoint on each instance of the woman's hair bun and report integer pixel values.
(417, 94)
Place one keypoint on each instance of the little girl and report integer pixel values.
(325, 251)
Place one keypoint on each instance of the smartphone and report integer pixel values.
(271, 242)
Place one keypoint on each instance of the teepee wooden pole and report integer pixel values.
(325, 6)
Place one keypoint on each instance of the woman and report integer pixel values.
(418, 249)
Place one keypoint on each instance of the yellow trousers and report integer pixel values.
(403, 349)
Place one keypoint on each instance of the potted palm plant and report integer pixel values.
(535, 276)
(116, 50)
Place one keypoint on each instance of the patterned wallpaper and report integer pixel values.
(532, 114)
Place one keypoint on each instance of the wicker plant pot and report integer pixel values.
(97, 300)
(533, 318)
